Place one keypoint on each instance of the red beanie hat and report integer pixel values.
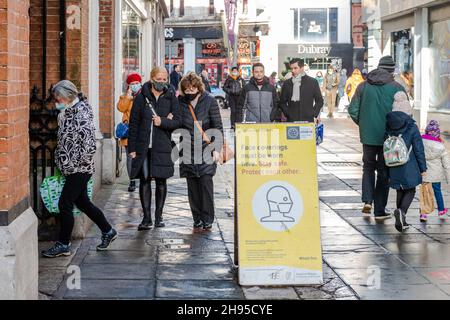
(132, 77)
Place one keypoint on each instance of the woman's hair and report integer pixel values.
(65, 89)
(191, 80)
(157, 70)
(319, 73)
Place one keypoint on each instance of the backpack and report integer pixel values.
(395, 151)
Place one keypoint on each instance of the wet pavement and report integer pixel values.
(363, 259)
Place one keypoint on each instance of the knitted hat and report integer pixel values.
(132, 77)
(432, 129)
(401, 103)
(387, 63)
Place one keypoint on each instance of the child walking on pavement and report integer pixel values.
(404, 178)
(438, 163)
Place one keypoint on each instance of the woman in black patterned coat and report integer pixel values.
(74, 156)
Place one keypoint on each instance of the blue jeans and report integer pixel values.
(438, 195)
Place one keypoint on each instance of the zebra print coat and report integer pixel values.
(76, 144)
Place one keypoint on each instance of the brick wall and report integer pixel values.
(36, 43)
(106, 65)
(14, 102)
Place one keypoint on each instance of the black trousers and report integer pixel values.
(201, 198)
(234, 110)
(405, 198)
(75, 193)
(377, 192)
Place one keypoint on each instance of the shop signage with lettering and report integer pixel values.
(313, 49)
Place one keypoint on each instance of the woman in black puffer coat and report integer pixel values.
(199, 166)
(150, 143)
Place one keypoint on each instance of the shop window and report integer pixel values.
(403, 55)
(440, 66)
(131, 41)
(318, 25)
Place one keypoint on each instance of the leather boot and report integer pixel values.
(160, 199)
(145, 194)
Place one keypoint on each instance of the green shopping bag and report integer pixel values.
(51, 189)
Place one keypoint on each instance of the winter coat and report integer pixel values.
(207, 113)
(233, 87)
(206, 83)
(310, 104)
(341, 85)
(407, 176)
(142, 128)
(372, 102)
(175, 79)
(352, 83)
(258, 105)
(438, 160)
(76, 144)
(331, 81)
(124, 105)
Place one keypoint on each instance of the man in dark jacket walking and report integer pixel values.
(233, 87)
(300, 98)
(258, 99)
(371, 103)
(175, 76)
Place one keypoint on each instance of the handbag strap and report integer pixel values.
(205, 137)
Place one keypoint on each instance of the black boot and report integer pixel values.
(132, 186)
(161, 193)
(145, 194)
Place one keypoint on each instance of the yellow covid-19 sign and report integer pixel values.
(277, 204)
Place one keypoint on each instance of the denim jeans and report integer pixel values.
(377, 192)
(438, 195)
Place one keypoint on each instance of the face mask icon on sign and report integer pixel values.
(280, 205)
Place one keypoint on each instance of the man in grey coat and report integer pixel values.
(258, 101)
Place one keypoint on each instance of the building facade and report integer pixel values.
(417, 34)
(321, 34)
(90, 43)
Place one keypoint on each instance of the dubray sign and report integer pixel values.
(314, 49)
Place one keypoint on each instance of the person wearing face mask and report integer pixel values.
(199, 166)
(134, 81)
(74, 157)
(205, 79)
(258, 100)
(233, 87)
(154, 116)
(330, 84)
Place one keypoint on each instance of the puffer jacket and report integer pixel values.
(407, 176)
(438, 160)
(76, 144)
(258, 104)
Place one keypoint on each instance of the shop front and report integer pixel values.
(208, 53)
(317, 56)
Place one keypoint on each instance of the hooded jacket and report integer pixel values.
(438, 160)
(353, 83)
(407, 176)
(372, 102)
(258, 104)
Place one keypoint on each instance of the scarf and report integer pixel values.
(297, 81)
(259, 82)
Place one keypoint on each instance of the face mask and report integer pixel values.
(60, 106)
(159, 86)
(191, 96)
(136, 87)
(330, 71)
(235, 74)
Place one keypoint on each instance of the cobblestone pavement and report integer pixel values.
(362, 259)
